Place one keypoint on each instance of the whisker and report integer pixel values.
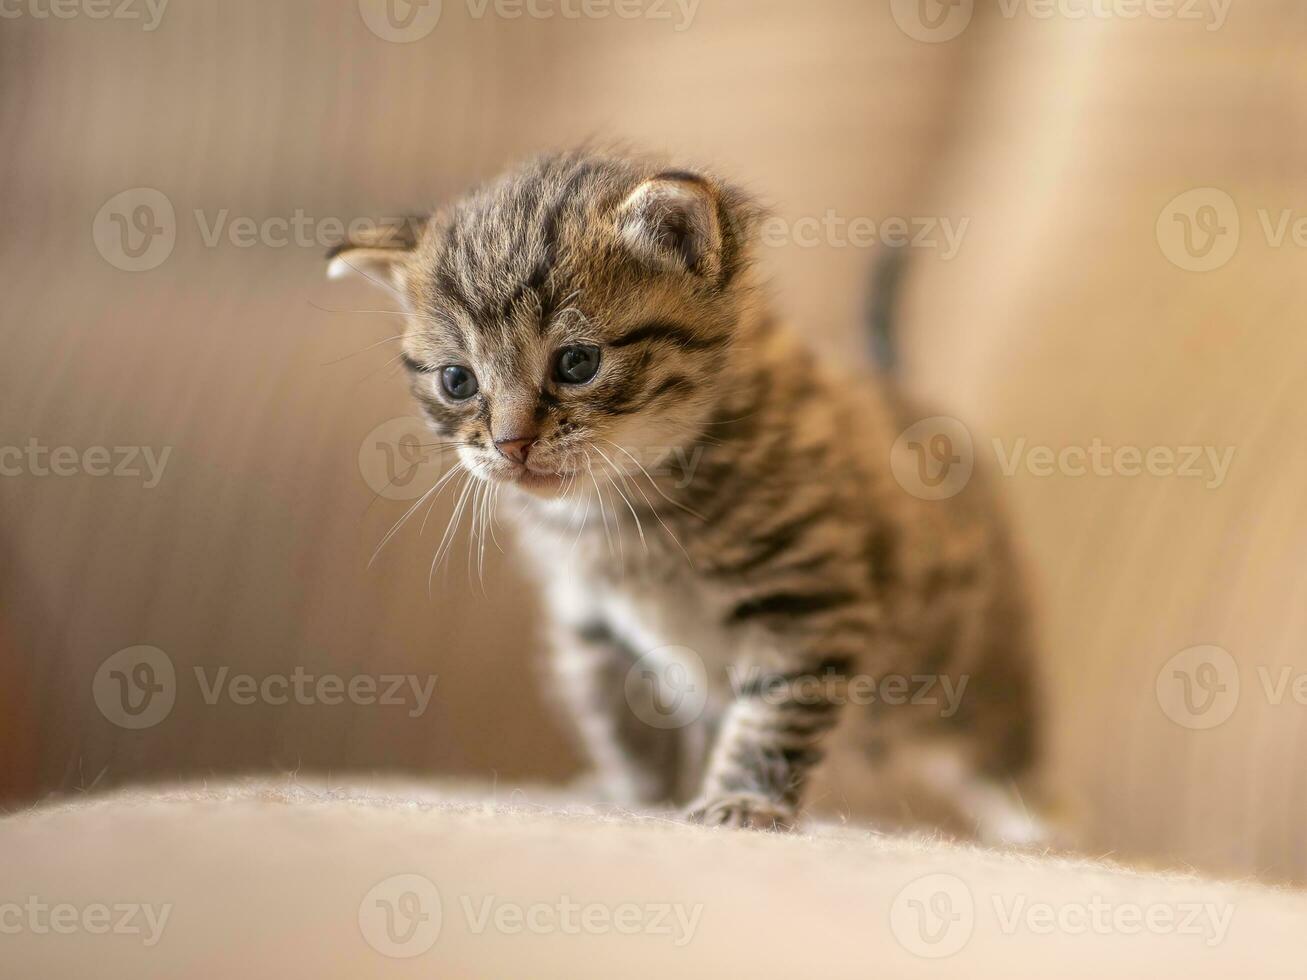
(494, 510)
(419, 316)
(631, 507)
(654, 483)
(731, 421)
(580, 526)
(362, 350)
(372, 374)
(652, 509)
(608, 537)
(400, 523)
(443, 480)
(451, 529)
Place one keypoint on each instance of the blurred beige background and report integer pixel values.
(1066, 316)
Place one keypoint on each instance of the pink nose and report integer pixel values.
(516, 449)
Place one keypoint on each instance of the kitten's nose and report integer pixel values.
(516, 449)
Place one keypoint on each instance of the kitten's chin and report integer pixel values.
(548, 486)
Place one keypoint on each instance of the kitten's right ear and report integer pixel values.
(380, 253)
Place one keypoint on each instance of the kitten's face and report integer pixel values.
(571, 321)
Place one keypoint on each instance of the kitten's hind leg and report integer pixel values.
(996, 811)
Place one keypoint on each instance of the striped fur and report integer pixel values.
(716, 495)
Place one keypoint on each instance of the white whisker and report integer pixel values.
(654, 483)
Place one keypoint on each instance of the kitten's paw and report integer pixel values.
(751, 812)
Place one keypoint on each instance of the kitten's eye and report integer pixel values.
(460, 383)
(577, 365)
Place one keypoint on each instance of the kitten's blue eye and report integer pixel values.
(577, 365)
(460, 383)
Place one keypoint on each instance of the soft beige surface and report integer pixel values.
(268, 882)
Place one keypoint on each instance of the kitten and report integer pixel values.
(710, 506)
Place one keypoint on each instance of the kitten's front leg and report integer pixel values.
(769, 742)
(637, 763)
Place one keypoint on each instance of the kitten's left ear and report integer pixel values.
(379, 253)
(671, 222)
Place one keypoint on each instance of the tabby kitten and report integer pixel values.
(710, 506)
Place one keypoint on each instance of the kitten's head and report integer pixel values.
(577, 312)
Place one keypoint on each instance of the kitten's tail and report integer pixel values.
(887, 278)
